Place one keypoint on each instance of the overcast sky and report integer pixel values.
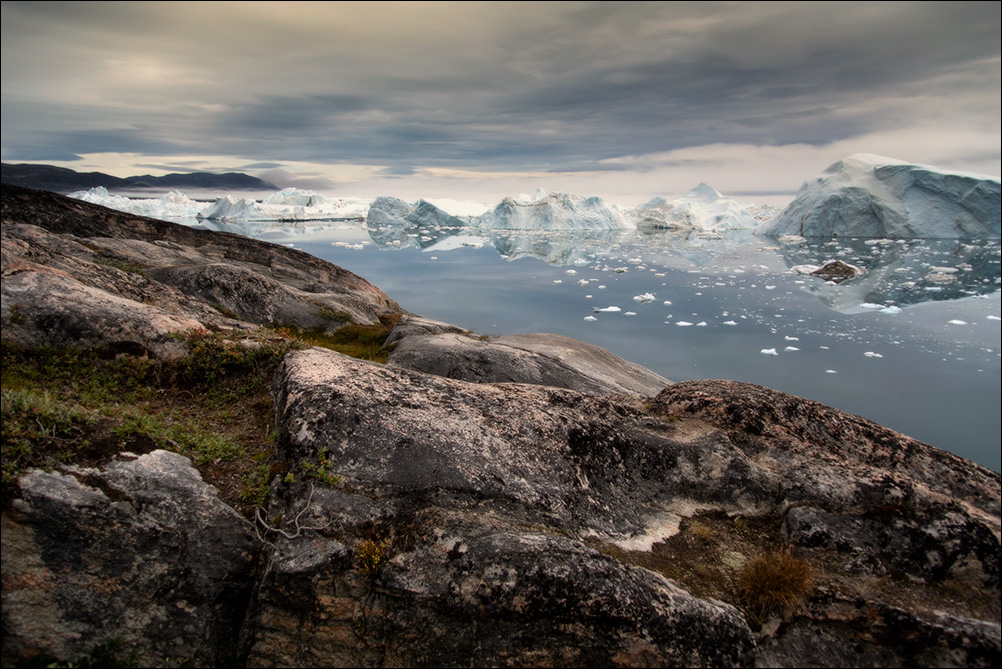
(482, 100)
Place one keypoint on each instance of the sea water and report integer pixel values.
(913, 345)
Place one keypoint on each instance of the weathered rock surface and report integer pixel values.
(140, 553)
(76, 273)
(437, 466)
(540, 359)
(472, 523)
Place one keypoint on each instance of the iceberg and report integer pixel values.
(288, 204)
(866, 195)
(701, 208)
(174, 205)
(556, 211)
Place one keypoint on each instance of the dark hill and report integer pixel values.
(64, 180)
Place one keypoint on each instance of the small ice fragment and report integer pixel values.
(993, 318)
(701, 324)
(601, 287)
(629, 313)
(769, 351)
(791, 348)
(557, 281)
(590, 318)
(588, 297)
(730, 323)
(770, 287)
(789, 338)
(683, 324)
(958, 322)
(891, 310)
(667, 303)
(871, 305)
(643, 299)
(582, 282)
(830, 371)
(433, 258)
(570, 272)
(608, 310)
(823, 348)
(871, 354)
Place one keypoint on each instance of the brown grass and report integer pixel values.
(775, 583)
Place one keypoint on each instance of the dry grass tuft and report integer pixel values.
(775, 583)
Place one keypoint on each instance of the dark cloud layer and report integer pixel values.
(508, 86)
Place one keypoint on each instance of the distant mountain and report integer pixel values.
(63, 180)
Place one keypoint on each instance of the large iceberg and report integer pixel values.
(556, 211)
(702, 208)
(173, 206)
(866, 195)
(288, 204)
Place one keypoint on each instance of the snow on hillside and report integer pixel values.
(866, 195)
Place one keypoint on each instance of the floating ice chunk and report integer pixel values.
(558, 281)
(590, 318)
(730, 323)
(667, 303)
(570, 272)
(683, 324)
(789, 338)
(830, 371)
(791, 348)
(871, 354)
(608, 310)
(629, 313)
(601, 287)
(582, 282)
(891, 310)
(993, 318)
(770, 287)
(823, 348)
(871, 305)
(768, 351)
(701, 324)
(958, 322)
(588, 297)
(643, 299)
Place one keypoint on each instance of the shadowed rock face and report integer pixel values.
(540, 359)
(139, 552)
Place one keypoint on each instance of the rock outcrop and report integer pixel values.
(420, 520)
(540, 359)
(871, 196)
(76, 273)
(140, 554)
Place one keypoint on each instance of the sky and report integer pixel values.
(478, 101)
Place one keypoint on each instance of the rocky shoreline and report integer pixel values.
(527, 500)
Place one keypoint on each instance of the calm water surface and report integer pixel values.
(929, 367)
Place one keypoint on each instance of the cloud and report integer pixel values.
(556, 88)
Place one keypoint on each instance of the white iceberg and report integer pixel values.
(702, 208)
(174, 205)
(556, 211)
(866, 195)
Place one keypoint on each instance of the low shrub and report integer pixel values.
(775, 583)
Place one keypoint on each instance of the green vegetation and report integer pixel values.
(321, 470)
(366, 342)
(370, 556)
(72, 406)
(64, 405)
